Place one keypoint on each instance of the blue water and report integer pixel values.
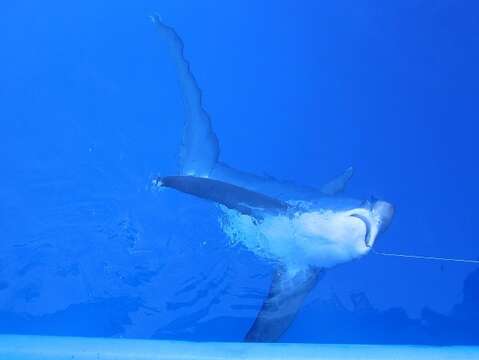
(91, 112)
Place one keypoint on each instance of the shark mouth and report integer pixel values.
(376, 218)
(368, 240)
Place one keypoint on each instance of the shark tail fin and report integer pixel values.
(200, 147)
(286, 296)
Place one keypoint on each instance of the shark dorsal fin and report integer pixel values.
(338, 184)
(286, 295)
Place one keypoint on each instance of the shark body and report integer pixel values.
(305, 230)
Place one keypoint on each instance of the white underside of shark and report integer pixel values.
(303, 230)
(317, 238)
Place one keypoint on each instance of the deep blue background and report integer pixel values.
(91, 111)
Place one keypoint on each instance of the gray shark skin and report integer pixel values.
(274, 318)
(303, 229)
(233, 197)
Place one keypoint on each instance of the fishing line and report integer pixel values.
(434, 258)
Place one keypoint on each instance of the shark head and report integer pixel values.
(376, 217)
(319, 236)
(331, 237)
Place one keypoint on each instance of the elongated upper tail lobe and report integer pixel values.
(200, 149)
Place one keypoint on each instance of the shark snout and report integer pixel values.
(376, 217)
(384, 212)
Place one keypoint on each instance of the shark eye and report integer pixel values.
(368, 204)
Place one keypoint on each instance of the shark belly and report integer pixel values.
(301, 240)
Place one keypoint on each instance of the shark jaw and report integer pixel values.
(319, 238)
(376, 217)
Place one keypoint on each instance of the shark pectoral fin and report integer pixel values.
(286, 296)
(339, 183)
(200, 147)
(233, 197)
